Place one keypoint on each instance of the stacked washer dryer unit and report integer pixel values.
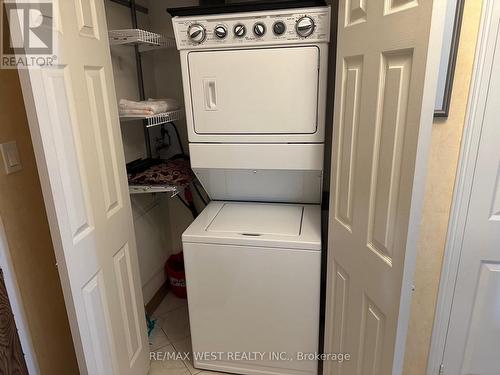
(255, 92)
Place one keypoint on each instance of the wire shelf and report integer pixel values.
(148, 189)
(155, 120)
(159, 176)
(140, 37)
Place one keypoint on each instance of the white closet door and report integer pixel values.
(381, 78)
(473, 338)
(76, 134)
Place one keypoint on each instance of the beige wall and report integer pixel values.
(23, 213)
(443, 159)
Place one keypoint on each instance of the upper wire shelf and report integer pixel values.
(147, 40)
(148, 189)
(155, 120)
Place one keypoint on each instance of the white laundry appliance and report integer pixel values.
(255, 92)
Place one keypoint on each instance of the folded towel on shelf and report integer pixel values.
(171, 104)
(135, 112)
(148, 107)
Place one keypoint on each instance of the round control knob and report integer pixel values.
(240, 30)
(220, 31)
(259, 29)
(305, 26)
(196, 33)
(279, 28)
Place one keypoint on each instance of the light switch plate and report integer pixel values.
(10, 156)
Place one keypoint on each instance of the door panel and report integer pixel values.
(355, 12)
(348, 133)
(68, 152)
(102, 126)
(128, 303)
(77, 140)
(473, 336)
(495, 207)
(98, 349)
(382, 56)
(86, 15)
(388, 151)
(372, 331)
(483, 336)
(232, 94)
(340, 306)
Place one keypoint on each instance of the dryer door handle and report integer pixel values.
(210, 94)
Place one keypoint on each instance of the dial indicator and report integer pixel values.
(305, 26)
(259, 29)
(279, 28)
(240, 30)
(220, 31)
(197, 33)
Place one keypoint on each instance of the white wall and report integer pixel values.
(151, 222)
(167, 68)
(125, 76)
(168, 78)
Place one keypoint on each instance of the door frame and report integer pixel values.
(463, 187)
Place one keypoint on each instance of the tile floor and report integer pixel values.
(171, 334)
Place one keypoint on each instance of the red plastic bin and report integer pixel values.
(176, 275)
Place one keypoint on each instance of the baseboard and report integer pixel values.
(160, 294)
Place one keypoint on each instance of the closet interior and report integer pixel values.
(164, 192)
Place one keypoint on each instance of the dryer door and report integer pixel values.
(255, 91)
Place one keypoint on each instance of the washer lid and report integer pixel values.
(258, 224)
(258, 219)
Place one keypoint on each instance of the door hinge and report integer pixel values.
(441, 369)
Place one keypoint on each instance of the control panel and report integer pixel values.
(267, 27)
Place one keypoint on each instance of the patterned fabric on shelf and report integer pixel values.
(170, 172)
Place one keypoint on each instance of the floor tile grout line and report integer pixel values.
(187, 368)
(183, 304)
(179, 340)
(172, 342)
(183, 363)
(168, 338)
(175, 345)
(164, 313)
(163, 347)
